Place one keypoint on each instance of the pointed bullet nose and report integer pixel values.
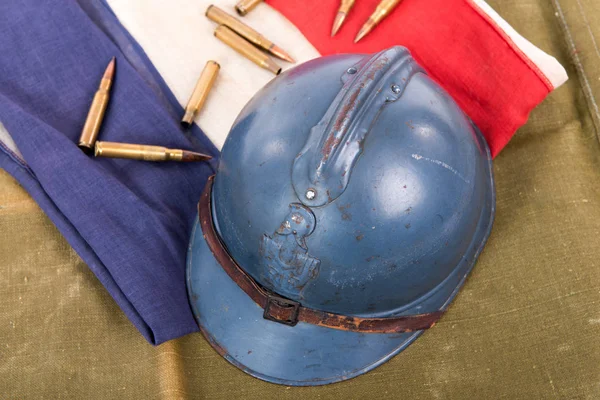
(364, 31)
(110, 69)
(361, 34)
(337, 23)
(280, 53)
(191, 156)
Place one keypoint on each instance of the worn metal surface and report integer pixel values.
(398, 240)
(334, 145)
(281, 309)
(288, 263)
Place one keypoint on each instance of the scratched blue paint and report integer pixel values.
(411, 210)
(286, 263)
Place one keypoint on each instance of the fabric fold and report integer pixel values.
(128, 220)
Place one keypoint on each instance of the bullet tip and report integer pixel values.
(281, 54)
(191, 156)
(110, 69)
(361, 34)
(337, 23)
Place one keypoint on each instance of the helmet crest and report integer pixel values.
(323, 167)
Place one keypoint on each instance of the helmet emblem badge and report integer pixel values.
(286, 262)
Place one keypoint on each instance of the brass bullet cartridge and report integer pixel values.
(91, 128)
(382, 11)
(240, 45)
(345, 7)
(201, 90)
(219, 16)
(243, 7)
(146, 152)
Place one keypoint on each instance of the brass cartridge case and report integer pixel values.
(340, 17)
(146, 152)
(243, 47)
(219, 16)
(201, 90)
(95, 116)
(383, 10)
(243, 7)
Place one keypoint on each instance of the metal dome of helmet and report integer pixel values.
(352, 198)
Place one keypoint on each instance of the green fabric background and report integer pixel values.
(525, 326)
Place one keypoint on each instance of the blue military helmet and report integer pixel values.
(352, 199)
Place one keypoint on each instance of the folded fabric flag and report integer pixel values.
(130, 220)
(492, 72)
(179, 40)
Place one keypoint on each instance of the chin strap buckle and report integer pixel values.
(282, 310)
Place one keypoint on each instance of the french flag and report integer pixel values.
(496, 75)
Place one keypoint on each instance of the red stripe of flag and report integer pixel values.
(460, 47)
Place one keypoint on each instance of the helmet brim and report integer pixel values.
(302, 355)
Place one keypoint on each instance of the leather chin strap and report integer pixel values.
(289, 312)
